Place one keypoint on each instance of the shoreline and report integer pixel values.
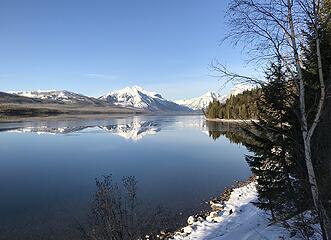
(230, 120)
(233, 216)
(216, 204)
(98, 115)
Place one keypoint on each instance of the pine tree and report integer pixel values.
(241, 106)
(280, 175)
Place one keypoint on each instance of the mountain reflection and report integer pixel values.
(47, 130)
(134, 129)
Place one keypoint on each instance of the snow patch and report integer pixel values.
(201, 102)
(240, 88)
(239, 219)
(61, 96)
(138, 97)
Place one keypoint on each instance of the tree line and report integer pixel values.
(241, 106)
(291, 39)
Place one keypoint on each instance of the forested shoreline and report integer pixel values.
(290, 143)
(242, 106)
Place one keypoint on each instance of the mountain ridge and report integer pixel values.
(202, 102)
(198, 103)
(132, 99)
(140, 98)
(59, 96)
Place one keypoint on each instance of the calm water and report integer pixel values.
(47, 168)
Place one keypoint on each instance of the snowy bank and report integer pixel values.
(237, 219)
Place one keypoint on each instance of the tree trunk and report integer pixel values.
(306, 132)
(322, 214)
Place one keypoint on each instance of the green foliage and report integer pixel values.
(241, 106)
(213, 109)
(277, 162)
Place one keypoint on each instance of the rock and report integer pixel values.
(210, 219)
(216, 206)
(213, 214)
(190, 220)
(201, 219)
(187, 229)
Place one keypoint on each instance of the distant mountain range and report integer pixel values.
(129, 99)
(49, 103)
(59, 97)
(137, 97)
(240, 88)
(199, 103)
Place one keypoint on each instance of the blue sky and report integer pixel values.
(93, 47)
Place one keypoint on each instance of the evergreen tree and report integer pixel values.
(241, 106)
(213, 109)
(278, 162)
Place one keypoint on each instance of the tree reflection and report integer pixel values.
(236, 132)
(282, 183)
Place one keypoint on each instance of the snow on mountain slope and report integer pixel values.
(240, 88)
(137, 97)
(58, 96)
(201, 102)
(133, 97)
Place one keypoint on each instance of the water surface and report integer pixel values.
(48, 167)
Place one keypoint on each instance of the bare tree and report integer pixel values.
(117, 214)
(273, 30)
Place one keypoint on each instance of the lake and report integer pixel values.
(48, 167)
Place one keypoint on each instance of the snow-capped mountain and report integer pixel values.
(130, 98)
(58, 96)
(201, 102)
(137, 97)
(240, 88)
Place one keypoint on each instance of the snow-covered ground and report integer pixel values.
(240, 219)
